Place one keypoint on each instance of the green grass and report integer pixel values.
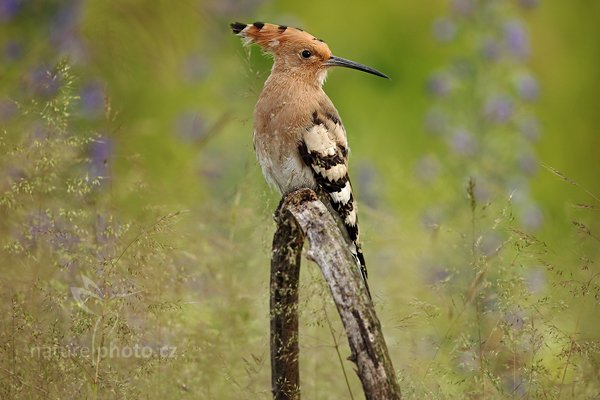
(134, 219)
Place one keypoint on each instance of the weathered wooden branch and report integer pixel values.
(301, 215)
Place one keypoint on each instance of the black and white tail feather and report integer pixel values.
(324, 149)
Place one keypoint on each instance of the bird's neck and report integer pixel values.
(298, 78)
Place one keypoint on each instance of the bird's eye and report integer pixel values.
(306, 54)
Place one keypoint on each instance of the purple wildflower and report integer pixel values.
(463, 7)
(435, 121)
(427, 168)
(532, 217)
(528, 4)
(490, 50)
(535, 279)
(516, 386)
(490, 243)
(482, 191)
(527, 163)
(462, 142)
(194, 68)
(439, 85)
(431, 219)
(8, 9)
(515, 319)
(7, 109)
(434, 272)
(444, 30)
(467, 361)
(530, 128)
(367, 179)
(516, 39)
(40, 226)
(190, 126)
(100, 153)
(64, 33)
(498, 109)
(92, 99)
(527, 87)
(43, 83)
(13, 50)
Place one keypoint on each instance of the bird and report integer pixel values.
(299, 138)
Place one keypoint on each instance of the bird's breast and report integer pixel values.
(276, 140)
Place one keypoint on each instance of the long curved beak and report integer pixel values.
(342, 62)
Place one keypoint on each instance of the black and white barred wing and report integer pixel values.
(324, 148)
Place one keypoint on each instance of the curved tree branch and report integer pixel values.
(301, 215)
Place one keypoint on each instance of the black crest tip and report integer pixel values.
(237, 27)
(259, 25)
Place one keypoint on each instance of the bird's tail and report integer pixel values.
(349, 216)
(360, 262)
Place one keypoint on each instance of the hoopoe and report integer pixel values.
(299, 138)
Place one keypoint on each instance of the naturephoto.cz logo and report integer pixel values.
(111, 351)
(84, 295)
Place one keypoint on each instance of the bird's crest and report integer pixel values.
(278, 39)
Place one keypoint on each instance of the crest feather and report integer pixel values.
(275, 38)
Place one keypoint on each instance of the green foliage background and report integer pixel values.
(127, 173)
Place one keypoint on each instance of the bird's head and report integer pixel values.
(296, 52)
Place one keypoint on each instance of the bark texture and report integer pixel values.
(302, 215)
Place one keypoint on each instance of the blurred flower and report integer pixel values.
(490, 243)
(528, 4)
(467, 361)
(444, 29)
(13, 50)
(527, 87)
(64, 236)
(8, 9)
(107, 230)
(514, 319)
(14, 173)
(367, 179)
(190, 126)
(498, 109)
(535, 279)
(463, 7)
(40, 225)
(530, 128)
(195, 68)
(490, 50)
(463, 69)
(233, 7)
(518, 189)
(434, 273)
(516, 39)
(7, 109)
(482, 191)
(439, 85)
(431, 219)
(100, 153)
(64, 32)
(516, 385)
(43, 83)
(462, 142)
(532, 217)
(427, 168)
(490, 302)
(44, 229)
(527, 163)
(92, 99)
(435, 121)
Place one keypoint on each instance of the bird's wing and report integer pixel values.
(324, 149)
